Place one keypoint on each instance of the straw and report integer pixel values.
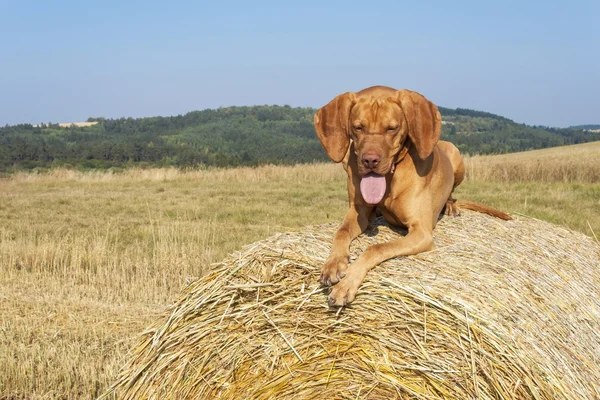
(498, 310)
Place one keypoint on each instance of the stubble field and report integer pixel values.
(88, 259)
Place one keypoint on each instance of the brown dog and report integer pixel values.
(389, 142)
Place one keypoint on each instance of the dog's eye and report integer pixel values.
(358, 128)
(392, 128)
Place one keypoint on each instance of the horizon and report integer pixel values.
(66, 124)
(531, 63)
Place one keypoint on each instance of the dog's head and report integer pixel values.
(381, 122)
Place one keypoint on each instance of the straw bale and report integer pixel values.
(498, 310)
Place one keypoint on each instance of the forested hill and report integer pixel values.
(239, 136)
(591, 127)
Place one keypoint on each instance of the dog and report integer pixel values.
(388, 142)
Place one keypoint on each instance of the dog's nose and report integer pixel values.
(371, 159)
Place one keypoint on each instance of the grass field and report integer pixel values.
(88, 259)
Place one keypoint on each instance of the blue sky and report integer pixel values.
(536, 62)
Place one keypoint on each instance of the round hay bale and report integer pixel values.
(498, 310)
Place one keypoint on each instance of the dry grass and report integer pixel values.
(578, 163)
(87, 259)
(94, 228)
(560, 185)
(498, 310)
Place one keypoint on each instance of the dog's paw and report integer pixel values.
(451, 209)
(333, 270)
(344, 292)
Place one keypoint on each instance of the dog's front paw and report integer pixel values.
(344, 292)
(333, 270)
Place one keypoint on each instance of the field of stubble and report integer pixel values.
(88, 259)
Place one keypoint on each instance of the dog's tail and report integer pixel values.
(470, 205)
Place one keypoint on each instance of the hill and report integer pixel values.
(584, 152)
(589, 127)
(236, 136)
(477, 132)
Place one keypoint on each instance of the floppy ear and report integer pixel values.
(424, 121)
(331, 124)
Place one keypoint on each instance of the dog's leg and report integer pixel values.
(458, 173)
(416, 241)
(355, 223)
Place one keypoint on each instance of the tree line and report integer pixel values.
(235, 136)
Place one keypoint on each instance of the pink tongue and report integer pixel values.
(372, 187)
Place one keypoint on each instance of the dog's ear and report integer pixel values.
(424, 121)
(331, 124)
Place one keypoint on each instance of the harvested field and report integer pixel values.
(576, 163)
